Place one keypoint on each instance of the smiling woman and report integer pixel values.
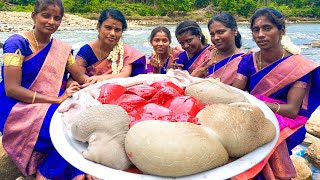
(192, 40)
(163, 55)
(224, 59)
(33, 86)
(108, 57)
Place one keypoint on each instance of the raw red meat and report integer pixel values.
(145, 92)
(161, 84)
(110, 93)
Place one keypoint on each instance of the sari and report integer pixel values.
(226, 69)
(94, 66)
(25, 127)
(192, 63)
(175, 52)
(272, 84)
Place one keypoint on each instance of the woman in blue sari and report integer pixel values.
(288, 84)
(34, 74)
(108, 57)
(225, 57)
(192, 40)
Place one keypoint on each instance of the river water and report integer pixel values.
(300, 34)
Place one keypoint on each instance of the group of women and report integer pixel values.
(36, 67)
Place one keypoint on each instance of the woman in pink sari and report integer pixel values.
(288, 84)
(33, 86)
(108, 57)
(225, 57)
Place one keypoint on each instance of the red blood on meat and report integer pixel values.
(152, 111)
(110, 93)
(131, 103)
(184, 104)
(161, 84)
(145, 92)
(163, 95)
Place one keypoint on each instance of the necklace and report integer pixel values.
(35, 40)
(225, 67)
(113, 56)
(260, 58)
(165, 65)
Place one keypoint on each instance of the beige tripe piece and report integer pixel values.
(241, 127)
(174, 149)
(104, 127)
(210, 91)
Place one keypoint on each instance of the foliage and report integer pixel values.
(243, 8)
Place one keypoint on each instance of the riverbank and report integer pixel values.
(21, 21)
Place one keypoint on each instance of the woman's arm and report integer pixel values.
(292, 108)
(240, 83)
(12, 82)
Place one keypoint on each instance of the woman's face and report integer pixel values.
(48, 21)
(160, 43)
(110, 31)
(265, 33)
(190, 43)
(222, 37)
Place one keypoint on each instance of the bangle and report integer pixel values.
(277, 108)
(34, 97)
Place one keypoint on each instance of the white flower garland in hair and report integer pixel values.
(113, 57)
(288, 45)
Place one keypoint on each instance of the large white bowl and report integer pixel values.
(71, 149)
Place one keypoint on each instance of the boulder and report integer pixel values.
(302, 168)
(313, 124)
(309, 139)
(313, 154)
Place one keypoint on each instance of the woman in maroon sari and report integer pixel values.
(108, 57)
(288, 84)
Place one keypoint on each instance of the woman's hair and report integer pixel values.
(193, 27)
(230, 22)
(41, 5)
(273, 15)
(114, 14)
(160, 29)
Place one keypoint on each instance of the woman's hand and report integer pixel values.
(202, 70)
(154, 61)
(175, 65)
(74, 87)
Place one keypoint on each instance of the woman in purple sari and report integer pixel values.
(163, 54)
(225, 57)
(33, 73)
(288, 84)
(192, 40)
(108, 57)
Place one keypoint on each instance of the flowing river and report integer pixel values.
(300, 34)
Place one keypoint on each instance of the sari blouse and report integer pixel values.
(93, 67)
(194, 61)
(248, 70)
(174, 54)
(17, 48)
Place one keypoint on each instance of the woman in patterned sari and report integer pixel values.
(289, 85)
(225, 57)
(33, 73)
(108, 57)
(192, 40)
